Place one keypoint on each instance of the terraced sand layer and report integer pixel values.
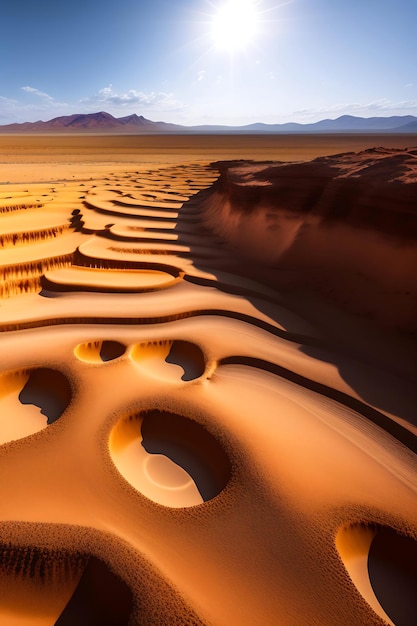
(187, 435)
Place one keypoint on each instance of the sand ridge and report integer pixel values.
(176, 429)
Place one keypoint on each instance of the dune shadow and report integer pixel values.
(392, 567)
(189, 445)
(99, 351)
(229, 265)
(376, 392)
(49, 390)
(188, 356)
(100, 599)
(111, 350)
(382, 564)
(75, 589)
(153, 355)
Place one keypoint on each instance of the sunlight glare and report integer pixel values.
(235, 25)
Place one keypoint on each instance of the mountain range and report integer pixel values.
(103, 122)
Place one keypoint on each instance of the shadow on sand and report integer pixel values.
(368, 374)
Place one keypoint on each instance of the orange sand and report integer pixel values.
(207, 404)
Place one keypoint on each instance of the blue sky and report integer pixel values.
(305, 60)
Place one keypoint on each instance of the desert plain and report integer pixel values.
(207, 380)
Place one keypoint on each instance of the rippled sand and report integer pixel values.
(195, 426)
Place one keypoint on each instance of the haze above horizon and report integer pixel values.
(208, 61)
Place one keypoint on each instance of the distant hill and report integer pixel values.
(90, 122)
(411, 127)
(345, 123)
(103, 122)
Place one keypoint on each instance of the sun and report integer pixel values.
(235, 25)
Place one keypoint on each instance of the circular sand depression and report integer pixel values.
(40, 586)
(383, 565)
(30, 400)
(99, 351)
(170, 459)
(170, 359)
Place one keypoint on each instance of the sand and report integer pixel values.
(207, 398)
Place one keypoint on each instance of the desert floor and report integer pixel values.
(182, 442)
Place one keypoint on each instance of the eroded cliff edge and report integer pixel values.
(343, 226)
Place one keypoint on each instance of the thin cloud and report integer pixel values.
(376, 107)
(36, 92)
(8, 106)
(388, 105)
(6, 101)
(160, 100)
(42, 106)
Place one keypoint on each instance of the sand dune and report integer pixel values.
(207, 394)
(348, 231)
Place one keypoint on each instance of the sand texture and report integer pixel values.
(207, 388)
